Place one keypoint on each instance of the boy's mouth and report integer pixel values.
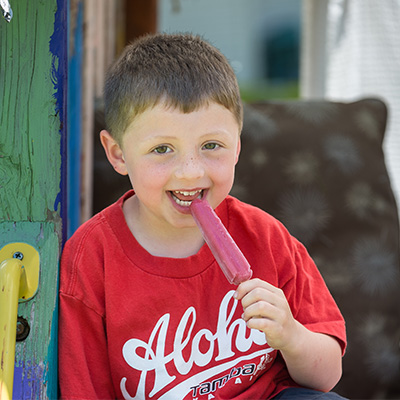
(185, 198)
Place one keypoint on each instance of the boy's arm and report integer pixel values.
(323, 367)
(313, 360)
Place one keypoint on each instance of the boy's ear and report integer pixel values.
(239, 145)
(113, 152)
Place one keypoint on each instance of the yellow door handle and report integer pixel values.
(19, 281)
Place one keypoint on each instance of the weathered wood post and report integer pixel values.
(33, 76)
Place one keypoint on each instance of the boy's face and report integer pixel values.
(172, 157)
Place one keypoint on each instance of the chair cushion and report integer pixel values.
(319, 167)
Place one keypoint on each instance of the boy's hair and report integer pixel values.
(182, 70)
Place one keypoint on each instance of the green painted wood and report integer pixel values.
(29, 127)
(30, 176)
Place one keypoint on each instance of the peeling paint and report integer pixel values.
(29, 101)
(32, 133)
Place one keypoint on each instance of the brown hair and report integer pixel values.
(183, 70)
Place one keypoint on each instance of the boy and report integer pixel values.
(145, 311)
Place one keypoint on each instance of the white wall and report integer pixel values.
(351, 49)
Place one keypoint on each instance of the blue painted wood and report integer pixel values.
(75, 62)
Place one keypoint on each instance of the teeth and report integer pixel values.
(185, 203)
(193, 193)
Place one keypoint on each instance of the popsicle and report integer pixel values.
(228, 255)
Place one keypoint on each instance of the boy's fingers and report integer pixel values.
(259, 309)
(248, 286)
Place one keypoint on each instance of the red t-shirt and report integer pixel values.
(136, 326)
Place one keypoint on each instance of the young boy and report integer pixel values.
(145, 311)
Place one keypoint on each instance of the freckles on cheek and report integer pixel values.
(151, 177)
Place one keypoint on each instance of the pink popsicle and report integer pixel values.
(228, 255)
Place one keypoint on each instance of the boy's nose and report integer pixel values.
(190, 168)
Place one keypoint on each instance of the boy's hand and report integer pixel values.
(265, 308)
(313, 359)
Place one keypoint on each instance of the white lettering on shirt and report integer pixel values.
(151, 356)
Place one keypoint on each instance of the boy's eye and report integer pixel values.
(162, 150)
(210, 146)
